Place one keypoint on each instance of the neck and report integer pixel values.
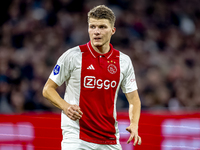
(101, 49)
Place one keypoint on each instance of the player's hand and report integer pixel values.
(134, 135)
(73, 112)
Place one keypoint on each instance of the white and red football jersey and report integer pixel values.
(92, 82)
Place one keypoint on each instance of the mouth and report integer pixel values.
(97, 38)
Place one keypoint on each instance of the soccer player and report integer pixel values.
(93, 74)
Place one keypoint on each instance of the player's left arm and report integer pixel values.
(134, 115)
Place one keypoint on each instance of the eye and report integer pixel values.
(92, 26)
(102, 27)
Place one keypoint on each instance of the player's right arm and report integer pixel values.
(50, 93)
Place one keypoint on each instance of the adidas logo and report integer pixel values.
(91, 67)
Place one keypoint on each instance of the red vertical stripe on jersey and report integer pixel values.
(100, 77)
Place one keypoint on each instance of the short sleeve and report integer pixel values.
(62, 69)
(129, 81)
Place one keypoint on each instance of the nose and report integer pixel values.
(97, 31)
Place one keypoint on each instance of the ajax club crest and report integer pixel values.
(112, 68)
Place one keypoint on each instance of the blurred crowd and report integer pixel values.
(162, 37)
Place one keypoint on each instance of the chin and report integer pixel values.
(96, 44)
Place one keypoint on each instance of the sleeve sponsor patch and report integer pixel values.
(56, 70)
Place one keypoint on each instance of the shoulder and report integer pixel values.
(124, 57)
(70, 54)
(121, 55)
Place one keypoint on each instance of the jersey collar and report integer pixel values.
(96, 54)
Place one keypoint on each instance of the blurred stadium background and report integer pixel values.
(162, 37)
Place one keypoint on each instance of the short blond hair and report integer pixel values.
(102, 12)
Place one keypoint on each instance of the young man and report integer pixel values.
(93, 74)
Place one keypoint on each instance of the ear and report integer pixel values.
(113, 30)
